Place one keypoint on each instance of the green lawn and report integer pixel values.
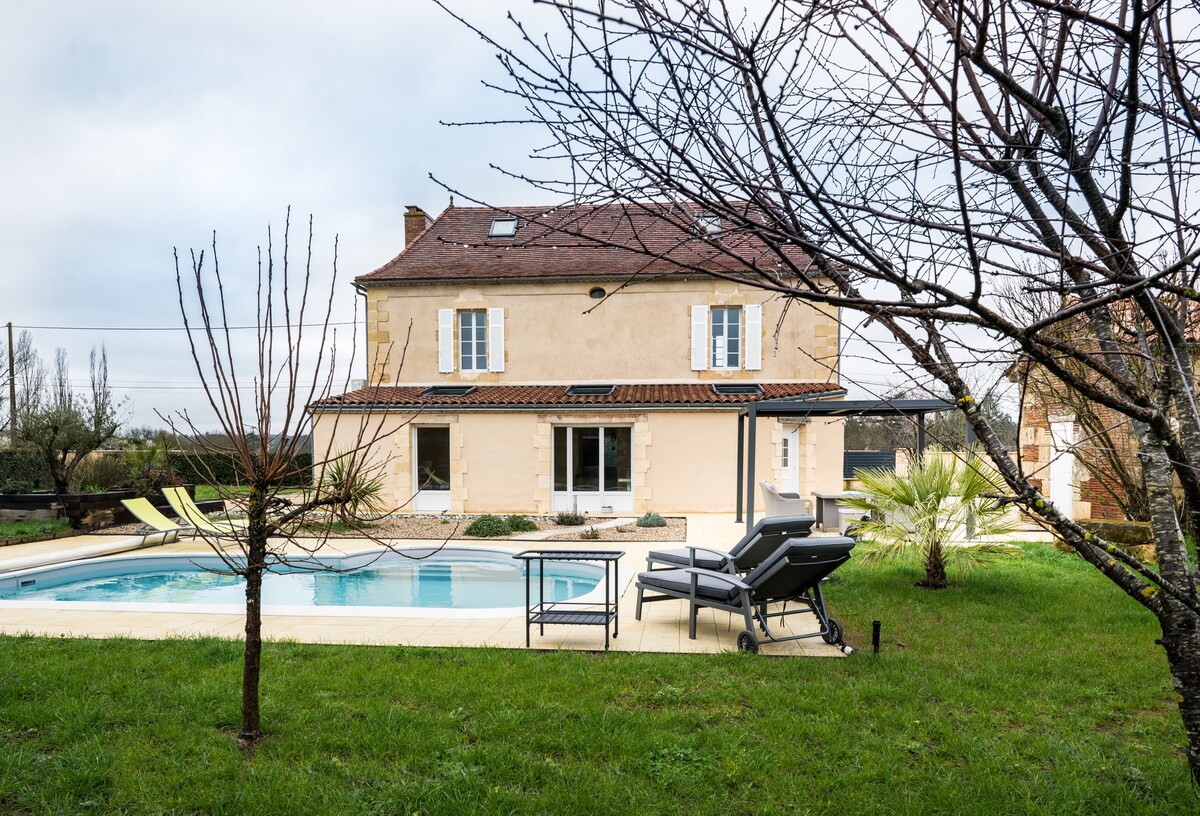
(21, 529)
(1029, 687)
(206, 492)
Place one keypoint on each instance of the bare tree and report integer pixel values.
(25, 368)
(264, 420)
(62, 426)
(905, 159)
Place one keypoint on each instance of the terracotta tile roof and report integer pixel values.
(593, 241)
(527, 396)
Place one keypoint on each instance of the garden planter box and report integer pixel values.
(29, 507)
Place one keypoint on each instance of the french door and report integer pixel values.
(593, 469)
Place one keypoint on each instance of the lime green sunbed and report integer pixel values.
(153, 522)
(187, 509)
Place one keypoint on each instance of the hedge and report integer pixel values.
(23, 466)
(218, 468)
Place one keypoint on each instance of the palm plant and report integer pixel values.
(938, 510)
(359, 489)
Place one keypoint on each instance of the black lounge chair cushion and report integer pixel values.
(679, 582)
(762, 540)
(682, 558)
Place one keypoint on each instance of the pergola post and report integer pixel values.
(741, 463)
(750, 481)
(920, 436)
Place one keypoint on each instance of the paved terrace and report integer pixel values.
(663, 627)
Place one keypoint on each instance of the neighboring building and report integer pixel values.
(1082, 455)
(519, 366)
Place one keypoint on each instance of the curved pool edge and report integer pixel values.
(370, 554)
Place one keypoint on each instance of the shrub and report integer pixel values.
(590, 534)
(151, 469)
(520, 524)
(211, 467)
(568, 518)
(102, 472)
(24, 467)
(652, 520)
(10, 486)
(488, 526)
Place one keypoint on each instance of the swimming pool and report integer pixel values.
(475, 581)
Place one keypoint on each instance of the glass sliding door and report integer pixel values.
(593, 469)
(431, 468)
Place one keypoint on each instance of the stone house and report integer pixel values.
(586, 358)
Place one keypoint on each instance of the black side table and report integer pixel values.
(570, 613)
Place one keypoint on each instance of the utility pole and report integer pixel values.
(12, 391)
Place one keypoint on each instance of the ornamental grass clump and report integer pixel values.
(568, 518)
(488, 526)
(652, 520)
(937, 511)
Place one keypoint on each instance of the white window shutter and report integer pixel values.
(753, 341)
(699, 338)
(495, 339)
(445, 340)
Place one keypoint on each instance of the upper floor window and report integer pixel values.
(470, 340)
(727, 337)
(725, 328)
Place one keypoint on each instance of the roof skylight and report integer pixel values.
(447, 391)
(708, 224)
(731, 389)
(503, 228)
(590, 390)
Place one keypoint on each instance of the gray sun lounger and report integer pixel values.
(762, 540)
(791, 574)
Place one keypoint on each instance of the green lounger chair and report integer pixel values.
(187, 509)
(153, 522)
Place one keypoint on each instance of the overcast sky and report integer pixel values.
(132, 128)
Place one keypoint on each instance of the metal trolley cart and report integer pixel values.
(570, 613)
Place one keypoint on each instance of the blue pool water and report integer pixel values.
(462, 579)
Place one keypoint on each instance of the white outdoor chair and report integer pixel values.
(784, 504)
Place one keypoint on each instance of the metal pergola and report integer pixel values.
(804, 408)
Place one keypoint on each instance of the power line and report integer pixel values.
(217, 329)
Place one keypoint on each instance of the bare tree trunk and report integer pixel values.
(252, 664)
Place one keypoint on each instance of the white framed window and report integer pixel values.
(725, 337)
(725, 331)
(472, 339)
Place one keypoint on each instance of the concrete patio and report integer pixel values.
(663, 627)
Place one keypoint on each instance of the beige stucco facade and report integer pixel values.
(556, 332)
(502, 462)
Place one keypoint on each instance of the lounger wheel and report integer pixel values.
(833, 634)
(747, 642)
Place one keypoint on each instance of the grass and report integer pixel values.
(1031, 686)
(23, 529)
(206, 492)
